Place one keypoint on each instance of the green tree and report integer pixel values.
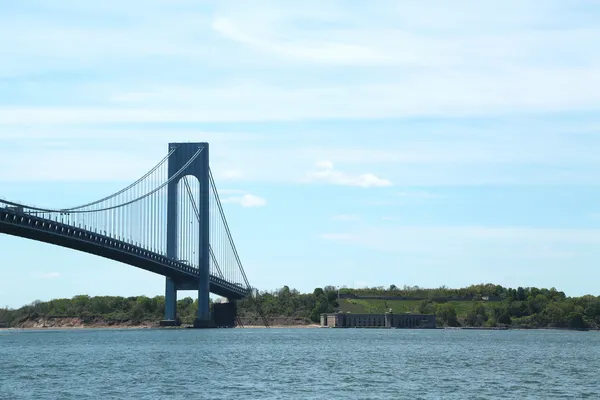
(447, 314)
(477, 316)
(426, 307)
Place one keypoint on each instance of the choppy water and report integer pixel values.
(299, 364)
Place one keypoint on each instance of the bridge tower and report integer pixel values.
(198, 168)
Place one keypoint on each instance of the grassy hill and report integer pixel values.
(372, 306)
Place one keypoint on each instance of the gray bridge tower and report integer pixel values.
(199, 169)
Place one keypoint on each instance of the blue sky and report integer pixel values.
(355, 143)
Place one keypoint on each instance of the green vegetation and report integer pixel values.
(282, 306)
(468, 307)
(112, 310)
(474, 306)
(288, 305)
(416, 291)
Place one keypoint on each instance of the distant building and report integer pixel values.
(387, 320)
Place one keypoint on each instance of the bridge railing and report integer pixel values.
(17, 216)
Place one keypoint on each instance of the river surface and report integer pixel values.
(299, 364)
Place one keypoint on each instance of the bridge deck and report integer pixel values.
(13, 222)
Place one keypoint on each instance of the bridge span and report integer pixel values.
(170, 222)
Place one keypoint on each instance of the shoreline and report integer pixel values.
(308, 326)
(78, 323)
(132, 327)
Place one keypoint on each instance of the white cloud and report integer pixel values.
(318, 51)
(394, 34)
(247, 200)
(133, 97)
(417, 194)
(452, 94)
(550, 252)
(325, 164)
(229, 191)
(32, 135)
(474, 62)
(462, 155)
(480, 67)
(231, 174)
(456, 238)
(49, 275)
(33, 154)
(328, 174)
(480, 60)
(338, 237)
(57, 165)
(346, 217)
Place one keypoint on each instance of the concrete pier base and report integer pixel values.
(169, 322)
(204, 324)
(224, 314)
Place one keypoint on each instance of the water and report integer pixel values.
(298, 364)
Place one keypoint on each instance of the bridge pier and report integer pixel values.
(203, 317)
(170, 304)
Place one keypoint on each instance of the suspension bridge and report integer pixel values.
(170, 222)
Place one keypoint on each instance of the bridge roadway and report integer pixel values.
(15, 223)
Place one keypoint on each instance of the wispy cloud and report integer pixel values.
(326, 173)
(399, 35)
(346, 217)
(551, 252)
(417, 194)
(436, 66)
(465, 154)
(229, 191)
(247, 200)
(419, 238)
(450, 95)
(338, 237)
(241, 198)
(276, 63)
(231, 174)
(48, 275)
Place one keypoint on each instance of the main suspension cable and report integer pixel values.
(157, 166)
(70, 211)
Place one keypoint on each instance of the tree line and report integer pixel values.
(113, 309)
(517, 307)
(474, 291)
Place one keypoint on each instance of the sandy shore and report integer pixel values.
(78, 323)
(280, 326)
(70, 328)
(312, 326)
(66, 328)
